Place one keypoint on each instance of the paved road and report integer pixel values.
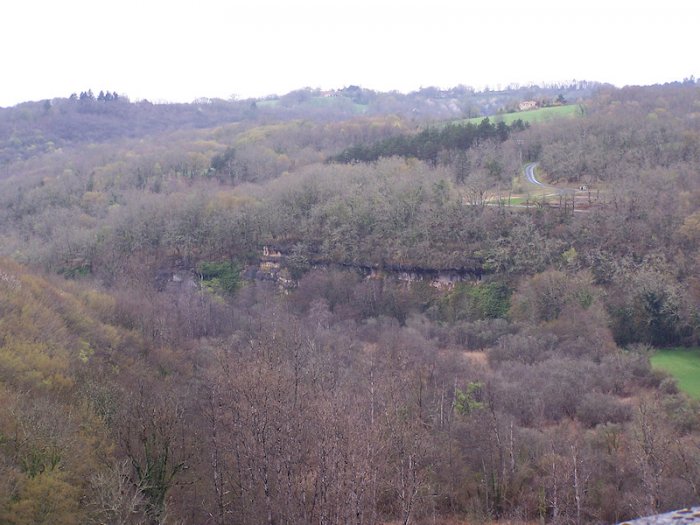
(530, 176)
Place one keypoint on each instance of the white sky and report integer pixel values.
(180, 50)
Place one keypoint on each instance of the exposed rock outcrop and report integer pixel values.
(678, 517)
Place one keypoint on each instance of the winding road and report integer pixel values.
(530, 176)
(580, 207)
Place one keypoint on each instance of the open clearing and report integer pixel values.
(684, 365)
(534, 115)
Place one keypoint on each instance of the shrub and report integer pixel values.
(597, 408)
(221, 276)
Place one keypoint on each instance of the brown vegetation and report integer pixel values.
(146, 376)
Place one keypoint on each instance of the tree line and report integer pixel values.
(103, 96)
(427, 144)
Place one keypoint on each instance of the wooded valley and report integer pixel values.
(348, 308)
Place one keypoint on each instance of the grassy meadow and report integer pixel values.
(534, 115)
(684, 365)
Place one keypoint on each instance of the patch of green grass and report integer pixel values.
(684, 365)
(515, 201)
(503, 200)
(533, 116)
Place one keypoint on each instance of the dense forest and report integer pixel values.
(348, 307)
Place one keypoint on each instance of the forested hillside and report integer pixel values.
(331, 308)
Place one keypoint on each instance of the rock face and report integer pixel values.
(273, 267)
(175, 275)
(679, 517)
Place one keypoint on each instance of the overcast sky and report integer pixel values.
(181, 50)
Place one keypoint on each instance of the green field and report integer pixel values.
(684, 365)
(533, 116)
(513, 201)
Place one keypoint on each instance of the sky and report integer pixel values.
(178, 51)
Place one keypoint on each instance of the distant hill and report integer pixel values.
(33, 128)
(37, 127)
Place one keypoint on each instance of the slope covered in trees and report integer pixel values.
(58, 412)
(429, 143)
(148, 376)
